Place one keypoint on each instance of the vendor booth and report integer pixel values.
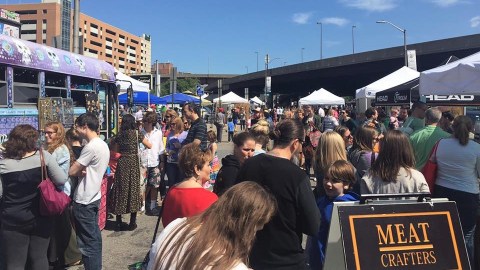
(321, 97)
(366, 94)
(140, 98)
(178, 98)
(461, 77)
(231, 98)
(399, 95)
(257, 101)
(125, 82)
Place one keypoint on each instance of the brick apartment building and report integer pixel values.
(51, 22)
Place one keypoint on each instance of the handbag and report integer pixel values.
(430, 168)
(52, 201)
(143, 264)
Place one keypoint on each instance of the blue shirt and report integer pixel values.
(231, 127)
(317, 245)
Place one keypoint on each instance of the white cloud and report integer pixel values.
(301, 18)
(371, 5)
(335, 21)
(475, 21)
(445, 3)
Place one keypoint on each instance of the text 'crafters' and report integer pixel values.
(405, 244)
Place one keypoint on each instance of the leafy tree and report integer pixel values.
(184, 84)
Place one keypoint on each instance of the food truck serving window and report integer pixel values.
(3, 94)
(25, 93)
(21, 75)
(55, 79)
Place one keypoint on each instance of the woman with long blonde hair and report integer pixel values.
(63, 250)
(56, 144)
(188, 243)
(330, 148)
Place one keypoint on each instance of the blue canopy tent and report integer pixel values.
(179, 98)
(140, 98)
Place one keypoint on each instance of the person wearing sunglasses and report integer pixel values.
(244, 147)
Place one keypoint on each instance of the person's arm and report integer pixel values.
(214, 149)
(309, 214)
(477, 165)
(55, 172)
(147, 143)
(76, 169)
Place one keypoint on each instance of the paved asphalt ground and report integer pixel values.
(121, 249)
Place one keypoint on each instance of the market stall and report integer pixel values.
(461, 77)
(366, 94)
(140, 98)
(321, 97)
(230, 98)
(178, 98)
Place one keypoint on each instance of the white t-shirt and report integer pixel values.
(321, 112)
(150, 157)
(95, 157)
(157, 246)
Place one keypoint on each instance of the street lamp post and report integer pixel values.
(302, 53)
(353, 40)
(404, 31)
(321, 40)
(257, 60)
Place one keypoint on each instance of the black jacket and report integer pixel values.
(279, 244)
(227, 174)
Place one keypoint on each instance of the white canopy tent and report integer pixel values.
(456, 78)
(321, 97)
(257, 100)
(230, 98)
(398, 77)
(124, 80)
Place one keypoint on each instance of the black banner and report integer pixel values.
(403, 236)
(400, 97)
(148, 79)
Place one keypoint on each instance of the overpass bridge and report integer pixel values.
(344, 74)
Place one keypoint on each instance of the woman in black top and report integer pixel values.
(24, 233)
(279, 244)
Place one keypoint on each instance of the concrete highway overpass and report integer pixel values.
(344, 74)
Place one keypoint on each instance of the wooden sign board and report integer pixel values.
(397, 236)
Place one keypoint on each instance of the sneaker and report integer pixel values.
(153, 212)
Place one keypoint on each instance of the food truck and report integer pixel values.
(39, 84)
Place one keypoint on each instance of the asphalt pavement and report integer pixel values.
(121, 249)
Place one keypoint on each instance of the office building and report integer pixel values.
(51, 22)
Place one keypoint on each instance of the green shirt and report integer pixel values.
(412, 124)
(423, 142)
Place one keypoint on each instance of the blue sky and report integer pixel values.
(219, 36)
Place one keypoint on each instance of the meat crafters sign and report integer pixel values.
(403, 236)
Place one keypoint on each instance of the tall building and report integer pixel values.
(51, 23)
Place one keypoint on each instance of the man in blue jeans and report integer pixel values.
(89, 168)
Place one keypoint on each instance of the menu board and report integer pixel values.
(67, 109)
(93, 104)
(55, 109)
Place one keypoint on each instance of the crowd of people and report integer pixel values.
(258, 200)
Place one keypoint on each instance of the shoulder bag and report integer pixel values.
(430, 168)
(52, 201)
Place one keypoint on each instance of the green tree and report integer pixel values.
(184, 84)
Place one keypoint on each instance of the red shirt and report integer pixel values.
(186, 202)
